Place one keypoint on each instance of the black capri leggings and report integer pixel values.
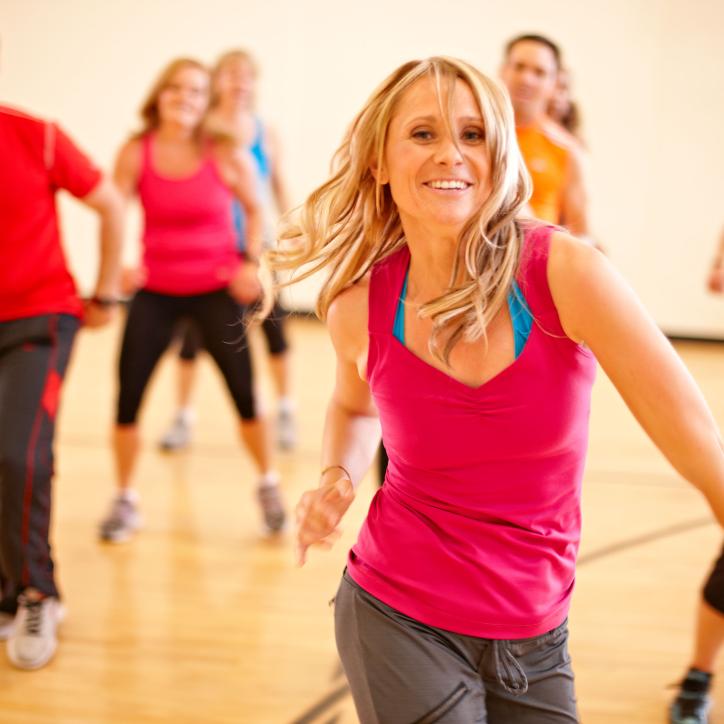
(191, 343)
(272, 326)
(714, 587)
(150, 325)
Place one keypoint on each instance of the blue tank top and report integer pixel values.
(263, 167)
(519, 314)
(258, 151)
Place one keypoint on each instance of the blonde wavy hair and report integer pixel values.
(237, 55)
(351, 222)
(216, 127)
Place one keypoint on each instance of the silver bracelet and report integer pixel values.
(332, 467)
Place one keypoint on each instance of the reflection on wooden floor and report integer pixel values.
(202, 620)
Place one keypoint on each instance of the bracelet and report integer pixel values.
(332, 467)
(103, 302)
(246, 256)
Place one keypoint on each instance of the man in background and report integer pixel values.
(40, 312)
(530, 70)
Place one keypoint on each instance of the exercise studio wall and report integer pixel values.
(648, 76)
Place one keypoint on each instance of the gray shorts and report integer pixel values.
(402, 671)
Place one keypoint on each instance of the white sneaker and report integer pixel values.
(6, 624)
(272, 508)
(33, 640)
(178, 435)
(122, 521)
(286, 430)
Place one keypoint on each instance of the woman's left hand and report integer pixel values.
(319, 513)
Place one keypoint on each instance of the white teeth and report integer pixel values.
(459, 185)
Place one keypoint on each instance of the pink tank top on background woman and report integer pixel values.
(477, 526)
(189, 246)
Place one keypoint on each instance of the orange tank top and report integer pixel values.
(547, 163)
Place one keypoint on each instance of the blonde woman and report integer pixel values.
(191, 271)
(233, 116)
(471, 338)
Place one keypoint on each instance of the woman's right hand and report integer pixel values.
(245, 286)
(318, 515)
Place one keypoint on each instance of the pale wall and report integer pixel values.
(649, 76)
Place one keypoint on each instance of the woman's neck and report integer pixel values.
(232, 114)
(174, 133)
(431, 264)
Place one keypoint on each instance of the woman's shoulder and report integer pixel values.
(350, 303)
(132, 148)
(233, 162)
(575, 270)
(551, 251)
(347, 318)
(129, 160)
(541, 240)
(569, 254)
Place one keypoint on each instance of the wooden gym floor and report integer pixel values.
(201, 620)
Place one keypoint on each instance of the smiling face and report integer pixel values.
(437, 167)
(184, 98)
(234, 83)
(529, 72)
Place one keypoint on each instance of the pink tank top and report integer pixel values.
(189, 245)
(477, 526)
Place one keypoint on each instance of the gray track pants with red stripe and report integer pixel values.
(34, 354)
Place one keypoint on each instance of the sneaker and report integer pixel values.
(6, 624)
(122, 521)
(178, 435)
(692, 704)
(286, 430)
(272, 507)
(33, 640)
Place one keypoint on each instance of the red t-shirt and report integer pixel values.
(36, 159)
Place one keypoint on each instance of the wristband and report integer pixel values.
(103, 302)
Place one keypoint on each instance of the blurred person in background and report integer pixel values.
(233, 116)
(185, 181)
(530, 71)
(40, 313)
(563, 111)
(693, 701)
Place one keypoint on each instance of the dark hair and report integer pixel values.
(571, 120)
(533, 38)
